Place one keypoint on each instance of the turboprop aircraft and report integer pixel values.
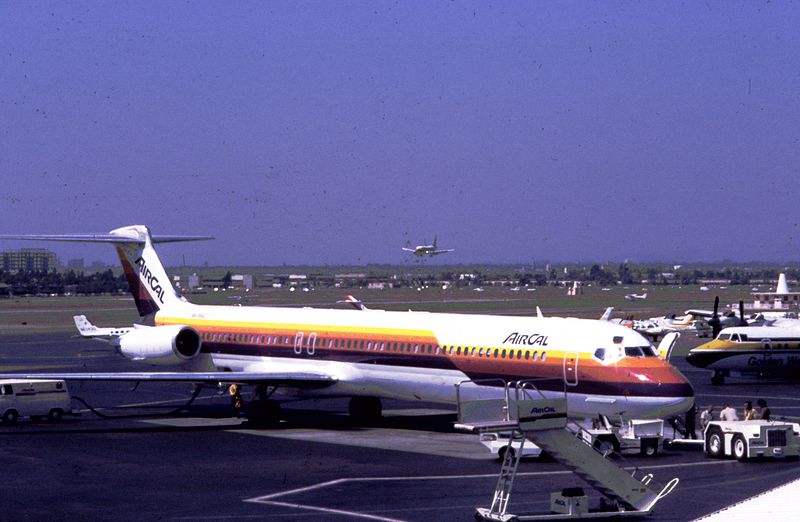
(754, 350)
(368, 354)
(428, 250)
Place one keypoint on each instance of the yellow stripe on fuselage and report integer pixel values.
(257, 327)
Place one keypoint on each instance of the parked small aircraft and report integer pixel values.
(631, 297)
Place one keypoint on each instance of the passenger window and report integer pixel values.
(480, 352)
(496, 352)
(519, 354)
(503, 354)
(600, 353)
(544, 356)
(527, 355)
(472, 353)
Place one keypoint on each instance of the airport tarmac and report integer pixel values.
(204, 463)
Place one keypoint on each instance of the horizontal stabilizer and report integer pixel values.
(102, 238)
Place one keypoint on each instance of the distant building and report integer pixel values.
(243, 280)
(781, 299)
(29, 260)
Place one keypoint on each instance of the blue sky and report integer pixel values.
(335, 132)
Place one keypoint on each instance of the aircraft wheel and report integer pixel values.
(10, 417)
(264, 413)
(365, 410)
(55, 415)
(718, 379)
(739, 447)
(715, 443)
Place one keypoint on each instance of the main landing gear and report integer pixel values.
(261, 412)
(718, 378)
(365, 410)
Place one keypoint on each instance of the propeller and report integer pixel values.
(742, 321)
(714, 322)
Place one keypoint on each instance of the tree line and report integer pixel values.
(67, 282)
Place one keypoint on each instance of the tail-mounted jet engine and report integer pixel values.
(161, 344)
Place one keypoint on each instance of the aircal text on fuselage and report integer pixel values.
(533, 339)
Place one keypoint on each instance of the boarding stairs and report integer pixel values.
(526, 411)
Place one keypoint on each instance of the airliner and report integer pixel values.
(428, 250)
(368, 355)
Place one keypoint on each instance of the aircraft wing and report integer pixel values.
(408, 249)
(699, 313)
(293, 379)
(443, 251)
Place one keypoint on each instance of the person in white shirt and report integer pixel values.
(705, 417)
(728, 414)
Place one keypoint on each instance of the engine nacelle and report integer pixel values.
(161, 344)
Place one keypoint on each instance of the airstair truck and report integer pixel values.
(33, 398)
(530, 414)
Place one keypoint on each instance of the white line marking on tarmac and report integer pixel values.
(269, 499)
(332, 511)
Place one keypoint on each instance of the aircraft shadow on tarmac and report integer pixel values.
(139, 419)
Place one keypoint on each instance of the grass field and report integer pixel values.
(19, 315)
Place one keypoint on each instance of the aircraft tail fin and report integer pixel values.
(607, 314)
(147, 279)
(85, 327)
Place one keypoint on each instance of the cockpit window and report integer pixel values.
(724, 337)
(633, 351)
(640, 351)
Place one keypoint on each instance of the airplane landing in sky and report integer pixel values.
(428, 250)
(368, 355)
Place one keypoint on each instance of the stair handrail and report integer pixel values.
(624, 462)
(666, 490)
(525, 387)
(480, 382)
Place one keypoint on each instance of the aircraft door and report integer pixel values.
(571, 368)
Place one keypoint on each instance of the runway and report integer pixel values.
(208, 464)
